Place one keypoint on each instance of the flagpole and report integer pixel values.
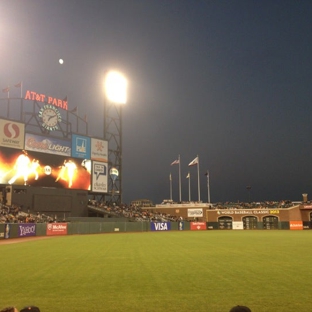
(208, 186)
(21, 89)
(179, 179)
(198, 183)
(170, 181)
(22, 107)
(189, 185)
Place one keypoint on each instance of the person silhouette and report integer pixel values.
(67, 172)
(21, 167)
(240, 308)
(9, 309)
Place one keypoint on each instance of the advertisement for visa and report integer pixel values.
(160, 226)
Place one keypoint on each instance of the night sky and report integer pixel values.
(229, 81)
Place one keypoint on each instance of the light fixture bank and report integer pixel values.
(116, 87)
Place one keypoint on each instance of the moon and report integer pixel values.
(61, 61)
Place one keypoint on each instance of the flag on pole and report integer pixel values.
(193, 162)
(188, 176)
(6, 90)
(176, 162)
(74, 110)
(19, 85)
(207, 173)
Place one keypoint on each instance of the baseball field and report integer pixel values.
(160, 271)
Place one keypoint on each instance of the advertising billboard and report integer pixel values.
(26, 229)
(160, 226)
(56, 228)
(38, 143)
(195, 213)
(196, 226)
(81, 146)
(21, 167)
(237, 225)
(12, 134)
(99, 177)
(296, 225)
(99, 150)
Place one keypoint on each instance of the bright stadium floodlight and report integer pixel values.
(116, 87)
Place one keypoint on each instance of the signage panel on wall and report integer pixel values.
(195, 213)
(12, 134)
(81, 146)
(99, 150)
(38, 143)
(198, 226)
(22, 167)
(296, 225)
(237, 225)
(99, 177)
(56, 228)
(160, 226)
(26, 229)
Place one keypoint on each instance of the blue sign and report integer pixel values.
(160, 226)
(81, 146)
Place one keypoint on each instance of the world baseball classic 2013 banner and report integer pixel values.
(26, 229)
(57, 229)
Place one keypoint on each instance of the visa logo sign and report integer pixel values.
(160, 226)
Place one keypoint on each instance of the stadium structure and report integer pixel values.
(51, 166)
(49, 163)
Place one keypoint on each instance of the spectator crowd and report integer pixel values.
(15, 213)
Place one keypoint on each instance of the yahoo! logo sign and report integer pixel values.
(11, 130)
(26, 230)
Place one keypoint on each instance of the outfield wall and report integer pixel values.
(20, 230)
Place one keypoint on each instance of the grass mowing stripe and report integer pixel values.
(175, 271)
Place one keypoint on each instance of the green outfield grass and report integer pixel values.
(168, 271)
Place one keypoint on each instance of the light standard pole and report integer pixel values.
(115, 95)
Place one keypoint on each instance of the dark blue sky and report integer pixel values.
(229, 81)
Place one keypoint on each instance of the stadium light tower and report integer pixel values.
(115, 96)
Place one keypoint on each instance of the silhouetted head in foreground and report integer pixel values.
(9, 309)
(240, 309)
(30, 309)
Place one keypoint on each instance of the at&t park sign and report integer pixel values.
(34, 96)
